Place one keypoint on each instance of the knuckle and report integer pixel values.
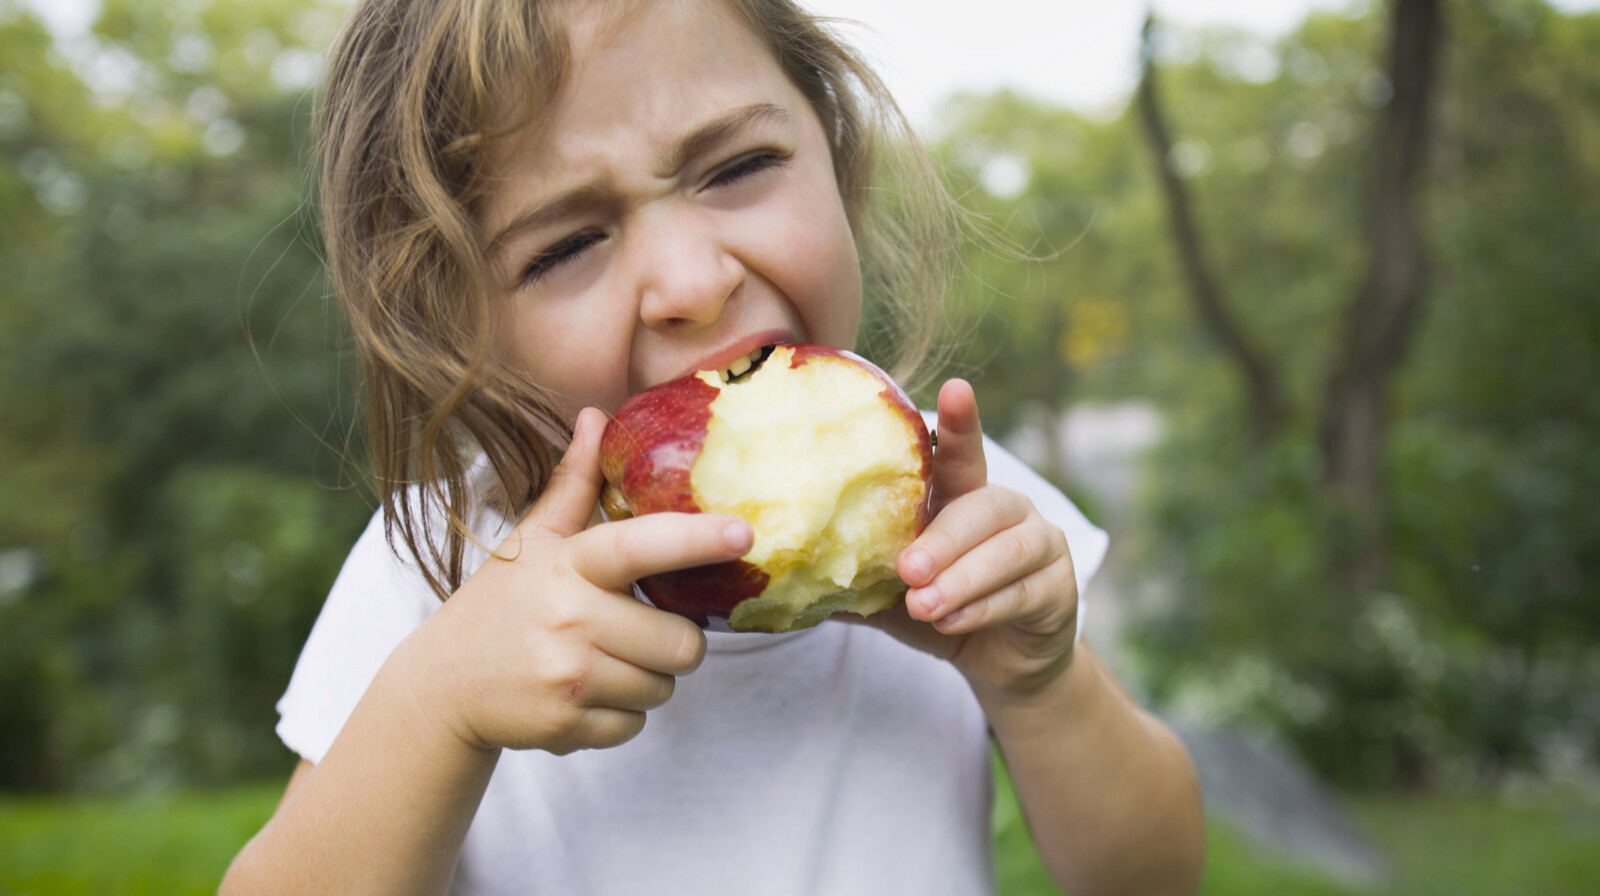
(565, 620)
(969, 616)
(1068, 580)
(564, 732)
(622, 543)
(990, 501)
(1013, 503)
(1025, 593)
(1016, 548)
(564, 572)
(1057, 542)
(948, 545)
(567, 677)
(955, 582)
(1051, 605)
(977, 614)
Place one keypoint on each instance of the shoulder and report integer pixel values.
(379, 597)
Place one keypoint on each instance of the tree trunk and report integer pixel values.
(1260, 381)
(1382, 320)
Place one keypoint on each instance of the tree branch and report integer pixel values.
(1381, 321)
(1267, 407)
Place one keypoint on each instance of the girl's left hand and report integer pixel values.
(992, 586)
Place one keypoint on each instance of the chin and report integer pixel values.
(820, 451)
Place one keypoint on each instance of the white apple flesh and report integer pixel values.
(824, 456)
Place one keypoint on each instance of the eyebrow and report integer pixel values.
(714, 131)
(674, 159)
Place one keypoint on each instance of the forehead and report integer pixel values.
(641, 70)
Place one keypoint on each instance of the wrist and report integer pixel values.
(424, 694)
(1074, 691)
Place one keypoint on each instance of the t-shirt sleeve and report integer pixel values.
(375, 602)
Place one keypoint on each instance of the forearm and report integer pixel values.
(1109, 792)
(385, 811)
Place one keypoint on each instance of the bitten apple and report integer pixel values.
(822, 453)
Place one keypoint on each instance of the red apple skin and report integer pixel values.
(704, 591)
(650, 445)
(648, 453)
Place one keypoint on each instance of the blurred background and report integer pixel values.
(1309, 324)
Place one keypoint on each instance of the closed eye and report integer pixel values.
(563, 252)
(747, 165)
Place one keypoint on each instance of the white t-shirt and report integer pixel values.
(833, 760)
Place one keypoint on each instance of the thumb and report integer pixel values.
(568, 500)
(958, 464)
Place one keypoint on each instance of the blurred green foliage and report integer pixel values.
(173, 502)
(1478, 657)
(175, 495)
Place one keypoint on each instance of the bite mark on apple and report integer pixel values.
(821, 452)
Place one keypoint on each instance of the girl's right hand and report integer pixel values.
(545, 646)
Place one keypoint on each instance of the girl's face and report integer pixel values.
(673, 209)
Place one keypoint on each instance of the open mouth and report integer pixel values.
(741, 369)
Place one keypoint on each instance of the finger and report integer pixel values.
(649, 639)
(961, 526)
(1043, 602)
(958, 464)
(997, 563)
(615, 555)
(614, 683)
(567, 503)
(601, 727)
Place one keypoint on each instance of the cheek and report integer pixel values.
(821, 269)
(840, 295)
(834, 307)
(589, 370)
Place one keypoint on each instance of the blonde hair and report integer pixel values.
(415, 91)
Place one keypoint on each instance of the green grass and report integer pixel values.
(151, 846)
(1442, 845)
(1454, 845)
(1439, 845)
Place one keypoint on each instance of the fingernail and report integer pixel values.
(953, 617)
(928, 599)
(738, 537)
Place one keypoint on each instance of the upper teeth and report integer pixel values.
(742, 366)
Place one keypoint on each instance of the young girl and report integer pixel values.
(534, 209)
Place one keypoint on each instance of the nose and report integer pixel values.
(687, 273)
